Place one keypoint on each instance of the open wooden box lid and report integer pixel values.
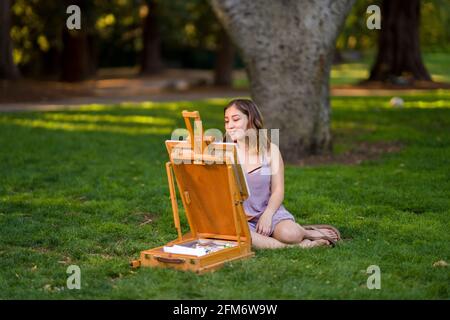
(212, 191)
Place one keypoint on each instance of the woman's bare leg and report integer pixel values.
(263, 242)
(287, 231)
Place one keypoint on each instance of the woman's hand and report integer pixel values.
(264, 224)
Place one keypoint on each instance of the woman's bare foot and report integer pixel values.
(320, 232)
(306, 243)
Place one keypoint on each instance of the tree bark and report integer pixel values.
(76, 56)
(151, 53)
(287, 47)
(51, 63)
(8, 70)
(398, 44)
(223, 70)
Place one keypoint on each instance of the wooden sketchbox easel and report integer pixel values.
(212, 187)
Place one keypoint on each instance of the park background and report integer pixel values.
(84, 115)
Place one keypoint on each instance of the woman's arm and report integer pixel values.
(277, 191)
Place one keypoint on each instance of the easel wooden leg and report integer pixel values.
(173, 198)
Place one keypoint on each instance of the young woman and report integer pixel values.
(271, 225)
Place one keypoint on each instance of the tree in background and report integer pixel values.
(151, 38)
(287, 47)
(357, 39)
(355, 36)
(78, 54)
(8, 70)
(435, 25)
(225, 55)
(36, 34)
(399, 52)
(191, 31)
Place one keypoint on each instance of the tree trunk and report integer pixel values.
(51, 63)
(287, 47)
(77, 51)
(223, 70)
(151, 53)
(75, 56)
(8, 70)
(398, 44)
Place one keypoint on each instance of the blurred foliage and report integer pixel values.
(434, 27)
(189, 31)
(31, 33)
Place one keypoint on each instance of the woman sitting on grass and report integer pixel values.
(271, 225)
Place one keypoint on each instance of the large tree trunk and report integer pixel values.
(398, 44)
(288, 48)
(223, 70)
(8, 70)
(151, 53)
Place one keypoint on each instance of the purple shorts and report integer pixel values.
(280, 215)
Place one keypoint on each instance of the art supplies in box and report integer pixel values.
(199, 247)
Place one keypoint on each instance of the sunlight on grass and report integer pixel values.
(93, 107)
(440, 78)
(348, 73)
(124, 105)
(147, 105)
(67, 126)
(222, 102)
(358, 103)
(150, 105)
(353, 125)
(427, 104)
(109, 118)
(412, 99)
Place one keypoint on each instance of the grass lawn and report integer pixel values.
(76, 187)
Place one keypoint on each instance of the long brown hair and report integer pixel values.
(255, 121)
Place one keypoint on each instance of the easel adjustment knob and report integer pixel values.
(135, 263)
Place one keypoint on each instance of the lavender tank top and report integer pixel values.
(259, 182)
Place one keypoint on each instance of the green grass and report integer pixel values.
(76, 185)
(438, 64)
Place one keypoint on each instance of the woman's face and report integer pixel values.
(236, 123)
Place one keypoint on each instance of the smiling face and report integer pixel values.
(236, 123)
